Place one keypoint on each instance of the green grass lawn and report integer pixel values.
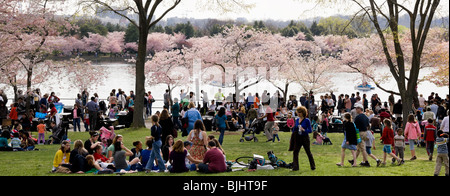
(39, 163)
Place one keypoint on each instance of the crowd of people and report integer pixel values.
(199, 152)
(426, 126)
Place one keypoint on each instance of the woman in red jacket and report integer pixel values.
(13, 113)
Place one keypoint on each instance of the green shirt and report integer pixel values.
(176, 110)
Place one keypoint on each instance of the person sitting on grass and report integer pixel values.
(177, 158)
(214, 161)
(61, 159)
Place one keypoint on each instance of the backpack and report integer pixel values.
(358, 137)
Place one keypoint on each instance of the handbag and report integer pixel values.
(358, 137)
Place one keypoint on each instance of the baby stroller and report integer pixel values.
(255, 127)
(106, 134)
(57, 136)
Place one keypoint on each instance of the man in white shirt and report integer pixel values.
(205, 98)
(421, 101)
(444, 124)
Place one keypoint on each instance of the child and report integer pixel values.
(369, 145)
(318, 137)
(86, 120)
(275, 130)
(399, 143)
(324, 124)
(314, 124)
(235, 123)
(430, 138)
(13, 113)
(15, 142)
(442, 150)
(290, 122)
(41, 132)
(136, 150)
(27, 141)
(388, 137)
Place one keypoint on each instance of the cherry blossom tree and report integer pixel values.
(93, 42)
(114, 43)
(420, 14)
(238, 52)
(149, 13)
(28, 26)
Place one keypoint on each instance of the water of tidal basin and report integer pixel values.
(118, 76)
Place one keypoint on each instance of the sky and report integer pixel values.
(277, 10)
(264, 9)
(267, 9)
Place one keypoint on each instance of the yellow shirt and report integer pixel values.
(60, 158)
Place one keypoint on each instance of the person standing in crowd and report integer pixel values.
(77, 115)
(192, 115)
(300, 138)
(156, 133)
(93, 108)
(445, 124)
(167, 99)
(219, 97)
(221, 123)
(166, 123)
(205, 98)
(268, 112)
(176, 114)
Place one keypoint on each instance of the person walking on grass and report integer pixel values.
(430, 134)
(362, 124)
(268, 113)
(442, 156)
(350, 140)
(412, 132)
(399, 143)
(369, 145)
(300, 137)
(388, 138)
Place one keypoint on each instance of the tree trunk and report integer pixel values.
(138, 119)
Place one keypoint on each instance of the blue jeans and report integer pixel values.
(242, 117)
(222, 132)
(76, 122)
(176, 121)
(156, 149)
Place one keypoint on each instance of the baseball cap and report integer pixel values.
(187, 143)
